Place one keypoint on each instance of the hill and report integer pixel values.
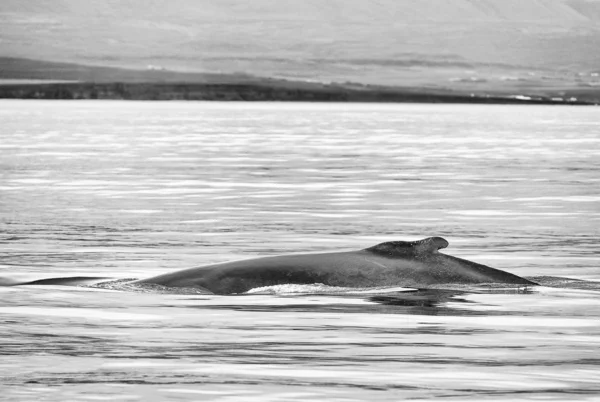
(475, 46)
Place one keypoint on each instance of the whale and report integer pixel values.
(408, 264)
(411, 264)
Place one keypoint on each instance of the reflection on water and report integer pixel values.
(127, 189)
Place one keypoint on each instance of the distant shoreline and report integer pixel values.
(267, 91)
(38, 79)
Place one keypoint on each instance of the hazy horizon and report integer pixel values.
(457, 43)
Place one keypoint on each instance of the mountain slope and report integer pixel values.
(425, 42)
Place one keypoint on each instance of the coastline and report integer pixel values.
(38, 79)
(285, 91)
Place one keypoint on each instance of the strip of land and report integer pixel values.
(290, 91)
(30, 79)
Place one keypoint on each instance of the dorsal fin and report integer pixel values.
(400, 248)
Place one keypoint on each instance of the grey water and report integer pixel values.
(135, 189)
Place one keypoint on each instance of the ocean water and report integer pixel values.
(134, 189)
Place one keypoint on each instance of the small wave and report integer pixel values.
(565, 283)
(491, 287)
(128, 285)
(319, 288)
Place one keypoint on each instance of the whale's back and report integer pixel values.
(398, 263)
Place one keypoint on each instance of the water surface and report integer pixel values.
(132, 190)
